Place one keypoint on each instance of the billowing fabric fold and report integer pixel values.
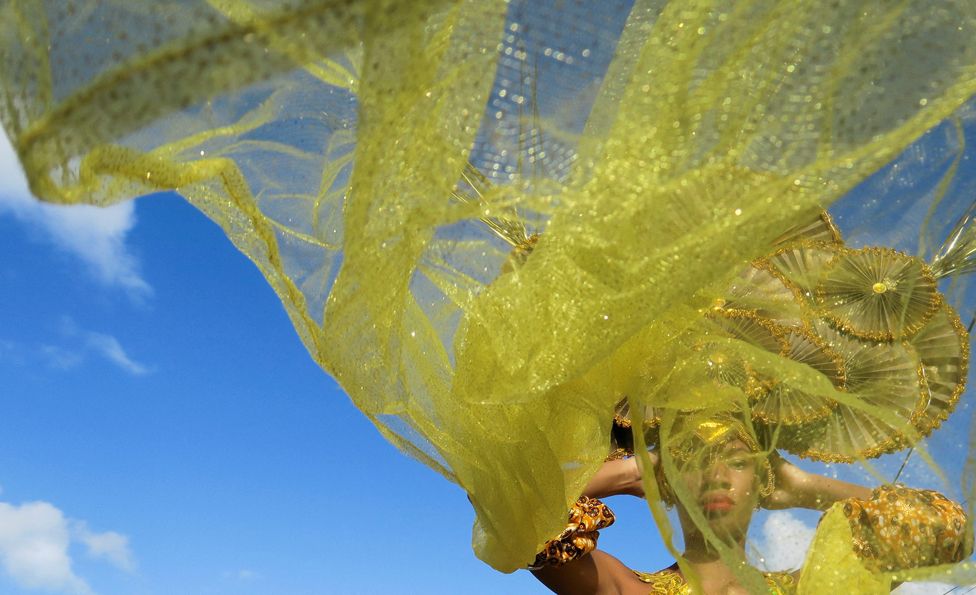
(493, 221)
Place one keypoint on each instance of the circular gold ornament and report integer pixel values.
(877, 293)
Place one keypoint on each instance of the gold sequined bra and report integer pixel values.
(670, 582)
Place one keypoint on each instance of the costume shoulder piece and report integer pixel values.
(901, 528)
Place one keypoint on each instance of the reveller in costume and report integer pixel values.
(727, 464)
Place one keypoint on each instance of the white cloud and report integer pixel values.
(34, 541)
(111, 546)
(75, 346)
(35, 538)
(10, 352)
(93, 234)
(244, 574)
(110, 348)
(784, 543)
(102, 344)
(60, 358)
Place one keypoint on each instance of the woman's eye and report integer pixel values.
(738, 464)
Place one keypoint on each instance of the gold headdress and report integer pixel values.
(871, 321)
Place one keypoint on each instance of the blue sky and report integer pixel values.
(163, 430)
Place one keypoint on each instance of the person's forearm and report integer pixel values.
(614, 478)
(820, 493)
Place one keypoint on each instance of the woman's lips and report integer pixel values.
(717, 503)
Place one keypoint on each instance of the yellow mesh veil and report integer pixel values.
(381, 160)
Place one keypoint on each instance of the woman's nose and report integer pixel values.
(717, 473)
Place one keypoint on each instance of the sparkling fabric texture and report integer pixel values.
(388, 164)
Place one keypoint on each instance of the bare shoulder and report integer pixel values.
(625, 581)
(597, 573)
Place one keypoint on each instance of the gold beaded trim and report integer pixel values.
(892, 444)
(779, 332)
(621, 417)
(834, 230)
(922, 422)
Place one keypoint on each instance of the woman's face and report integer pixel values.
(722, 482)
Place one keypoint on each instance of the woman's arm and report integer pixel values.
(570, 565)
(618, 477)
(796, 488)
(596, 573)
(893, 527)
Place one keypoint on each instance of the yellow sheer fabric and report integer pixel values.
(656, 146)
